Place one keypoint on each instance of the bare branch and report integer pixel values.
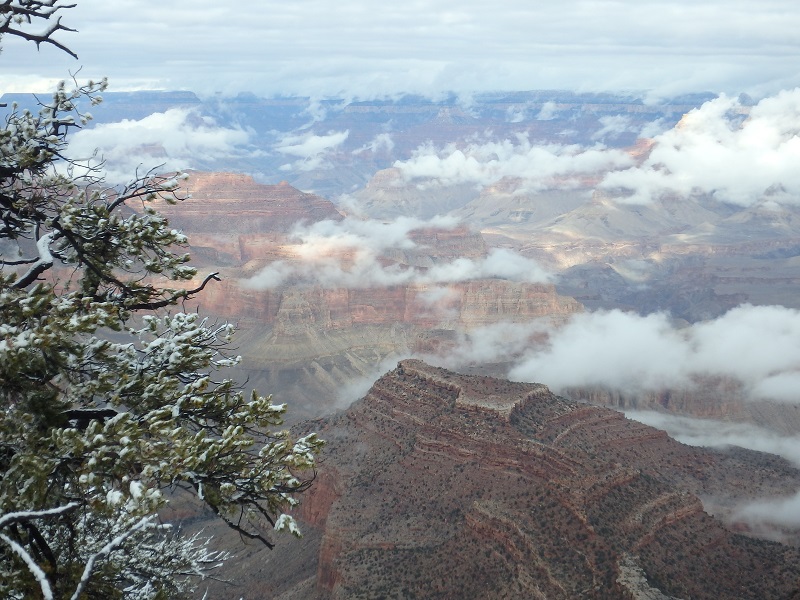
(183, 294)
(14, 13)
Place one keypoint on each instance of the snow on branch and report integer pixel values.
(106, 550)
(35, 569)
(44, 262)
(14, 13)
(28, 515)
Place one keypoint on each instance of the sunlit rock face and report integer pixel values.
(306, 339)
(437, 484)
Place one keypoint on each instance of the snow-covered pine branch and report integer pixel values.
(109, 394)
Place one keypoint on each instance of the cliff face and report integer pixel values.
(294, 310)
(246, 207)
(307, 346)
(307, 343)
(442, 485)
(230, 218)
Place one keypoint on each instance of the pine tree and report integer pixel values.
(110, 394)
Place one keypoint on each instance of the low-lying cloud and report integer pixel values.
(540, 166)
(737, 154)
(313, 150)
(773, 511)
(727, 150)
(179, 138)
(712, 433)
(756, 345)
(381, 142)
(349, 253)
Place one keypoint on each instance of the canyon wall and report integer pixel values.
(443, 485)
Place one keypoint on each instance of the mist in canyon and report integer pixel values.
(635, 255)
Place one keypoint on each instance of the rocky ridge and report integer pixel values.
(441, 485)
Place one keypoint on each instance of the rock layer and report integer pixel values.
(439, 485)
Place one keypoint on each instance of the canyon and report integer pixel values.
(306, 343)
(414, 240)
(441, 485)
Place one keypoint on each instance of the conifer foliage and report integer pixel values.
(110, 394)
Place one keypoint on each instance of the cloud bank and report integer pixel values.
(757, 345)
(721, 434)
(540, 166)
(736, 154)
(313, 150)
(348, 253)
(317, 47)
(178, 138)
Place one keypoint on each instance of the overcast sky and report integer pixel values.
(368, 49)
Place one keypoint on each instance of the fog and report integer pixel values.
(348, 254)
(177, 139)
(757, 345)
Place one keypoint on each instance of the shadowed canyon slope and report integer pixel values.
(439, 485)
(307, 342)
(319, 331)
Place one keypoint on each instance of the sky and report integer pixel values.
(356, 48)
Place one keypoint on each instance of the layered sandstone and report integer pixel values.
(295, 310)
(225, 203)
(443, 485)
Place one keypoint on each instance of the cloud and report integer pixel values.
(541, 166)
(613, 126)
(617, 349)
(311, 148)
(495, 343)
(773, 511)
(179, 138)
(349, 253)
(548, 112)
(758, 346)
(318, 47)
(356, 389)
(381, 142)
(722, 434)
(737, 155)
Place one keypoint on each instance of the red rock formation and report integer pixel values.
(443, 485)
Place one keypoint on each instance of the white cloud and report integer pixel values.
(618, 349)
(311, 148)
(348, 254)
(613, 126)
(381, 142)
(721, 434)
(541, 166)
(548, 112)
(495, 343)
(177, 138)
(758, 346)
(721, 150)
(773, 511)
(314, 47)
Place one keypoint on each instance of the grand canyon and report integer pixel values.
(458, 299)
